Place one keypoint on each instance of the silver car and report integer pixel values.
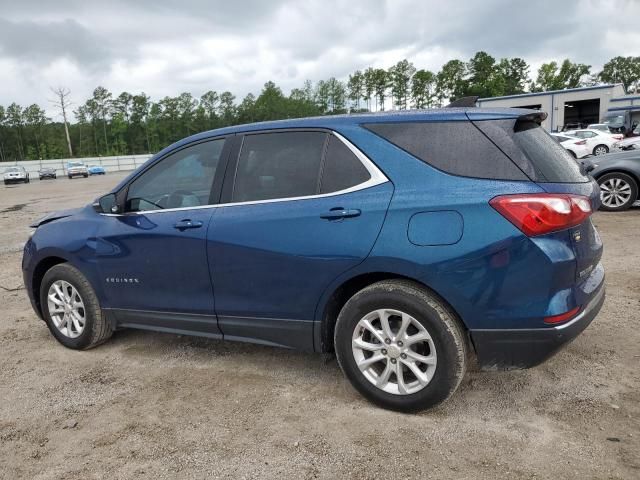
(77, 169)
(16, 174)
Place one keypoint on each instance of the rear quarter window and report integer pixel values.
(458, 148)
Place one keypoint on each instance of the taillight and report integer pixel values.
(581, 142)
(540, 213)
(563, 317)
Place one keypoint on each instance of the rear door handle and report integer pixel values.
(187, 223)
(340, 213)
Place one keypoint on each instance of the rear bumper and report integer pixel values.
(498, 349)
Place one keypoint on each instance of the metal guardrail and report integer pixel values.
(110, 164)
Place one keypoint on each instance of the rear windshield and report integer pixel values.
(530, 147)
(551, 161)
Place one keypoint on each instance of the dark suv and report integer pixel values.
(404, 242)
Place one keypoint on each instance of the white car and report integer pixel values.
(631, 143)
(577, 147)
(598, 142)
(603, 127)
(77, 169)
(15, 174)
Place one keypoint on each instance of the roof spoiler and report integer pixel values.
(537, 117)
(464, 102)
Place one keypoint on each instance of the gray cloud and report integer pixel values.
(164, 47)
(34, 42)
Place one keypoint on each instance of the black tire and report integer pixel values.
(70, 177)
(96, 329)
(425, 307)
(603, 149)
(6, 183)
(625, 178)
(86, 175)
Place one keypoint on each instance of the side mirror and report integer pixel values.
(107, 204)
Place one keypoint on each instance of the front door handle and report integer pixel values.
(187, 223)
(340, 213)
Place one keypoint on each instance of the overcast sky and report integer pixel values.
(165, 47)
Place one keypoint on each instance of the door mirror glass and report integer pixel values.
(109, 204)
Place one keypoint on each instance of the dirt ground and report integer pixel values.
(150, 405)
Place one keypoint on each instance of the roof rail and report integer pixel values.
(464, 102)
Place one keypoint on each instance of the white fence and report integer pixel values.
(110, 164)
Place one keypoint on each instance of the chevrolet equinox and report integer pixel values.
(408, 243)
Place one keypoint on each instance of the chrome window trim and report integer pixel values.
(377, 178)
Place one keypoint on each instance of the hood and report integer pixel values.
(615, 157)
(55, 216)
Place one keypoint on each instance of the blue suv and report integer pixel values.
(408, 243)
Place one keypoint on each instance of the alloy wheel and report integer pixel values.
(600, 150)
(394, 351)
(66, 308)
(615, 192)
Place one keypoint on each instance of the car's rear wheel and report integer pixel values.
(71, 308)
(400, 346)
(618, 191)
(600, 150)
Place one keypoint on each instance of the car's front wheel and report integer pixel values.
(618, 191)
(600, 150)
(71, 308)
(400, 346)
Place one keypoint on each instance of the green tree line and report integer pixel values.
(106, 124)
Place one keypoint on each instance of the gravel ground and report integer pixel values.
(163, 406)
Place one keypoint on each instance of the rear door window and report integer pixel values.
(278, 165)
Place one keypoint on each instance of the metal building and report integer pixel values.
(573, 106)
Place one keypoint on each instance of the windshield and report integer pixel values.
(12, 169)
(75, 164)
(614, 120)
